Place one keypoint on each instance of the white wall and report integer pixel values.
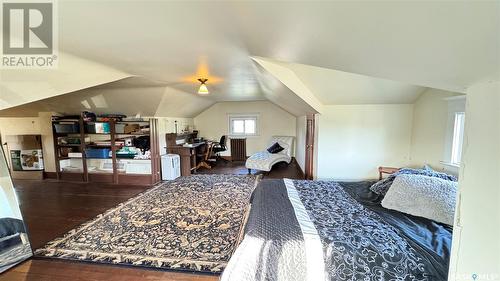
(213, 122)
(430, 136)
(300, 141)
(167, 125)
(476, 234)
(354, 140)
(41, 125)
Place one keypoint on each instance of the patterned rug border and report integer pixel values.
(115, 259)
(107, 263)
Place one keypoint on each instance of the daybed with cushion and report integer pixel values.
(264, 160)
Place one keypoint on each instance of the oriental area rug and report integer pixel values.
(192, 223)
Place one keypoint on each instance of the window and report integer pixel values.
(458, 138)
(240, 125)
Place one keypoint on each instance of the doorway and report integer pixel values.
(310, 133)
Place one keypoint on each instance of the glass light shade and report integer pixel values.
(203, 90)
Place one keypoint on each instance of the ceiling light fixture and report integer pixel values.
(203, 90)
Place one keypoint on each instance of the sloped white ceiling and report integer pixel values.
(286, 77)
(441, 44)
(181, 104)
(282, 95)
(446, 45)
(130, 96)
(337, 87)
(73, 73)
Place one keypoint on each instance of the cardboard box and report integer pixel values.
(130, 128)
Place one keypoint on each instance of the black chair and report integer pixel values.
(220, 147)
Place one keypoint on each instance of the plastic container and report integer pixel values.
(126, 152)
(101, 153)
(67, 128)
(120, 128)
(73, 140)
(125, 156)
(97, 128)
(75, 154)
(138, 167)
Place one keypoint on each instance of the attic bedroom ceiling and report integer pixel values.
(409, 45)
(131, 96)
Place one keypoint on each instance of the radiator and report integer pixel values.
(238, 149)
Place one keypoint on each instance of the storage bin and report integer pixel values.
(67, 128)
(71, 165)
(97, 128)
(125, 156)
(101, 153)
(75, 154)
(138, 167)
(119, 128)
(73, 140)
(126, 152)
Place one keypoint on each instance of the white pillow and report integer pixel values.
(423, 196)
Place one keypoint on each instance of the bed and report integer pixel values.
(324, 230)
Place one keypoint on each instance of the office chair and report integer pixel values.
(220, 147)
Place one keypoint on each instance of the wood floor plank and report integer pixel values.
(67, 270)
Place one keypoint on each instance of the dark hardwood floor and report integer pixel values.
(279, 171)
(51, 208)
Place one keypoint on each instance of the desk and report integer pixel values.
(188, 155)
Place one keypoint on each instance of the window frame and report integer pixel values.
(457, 138)
(249, 116)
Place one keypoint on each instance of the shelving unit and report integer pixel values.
(112, 169)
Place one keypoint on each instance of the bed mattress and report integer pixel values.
(323, 230)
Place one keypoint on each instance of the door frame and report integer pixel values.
(309, 146)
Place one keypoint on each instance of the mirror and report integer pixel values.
(14, 243)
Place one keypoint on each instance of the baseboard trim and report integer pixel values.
(302, 174)
(229, 158)
(49, 175)
(27, 175)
